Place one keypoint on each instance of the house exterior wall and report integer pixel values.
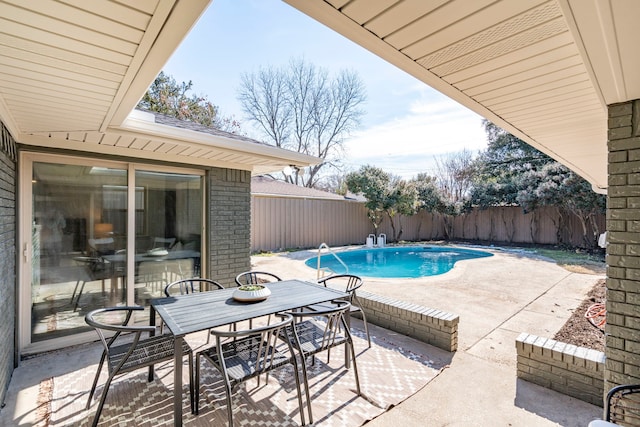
(8, 259)
(622, 364)
(229, 218)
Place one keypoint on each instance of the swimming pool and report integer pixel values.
(397, 262)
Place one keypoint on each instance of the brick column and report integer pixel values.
(229, 217)
(8, 287)
(623, 251)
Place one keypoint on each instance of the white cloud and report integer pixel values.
(434, 125)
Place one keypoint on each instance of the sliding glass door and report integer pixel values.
(101, 234)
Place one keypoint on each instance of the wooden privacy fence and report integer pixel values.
(279, 223)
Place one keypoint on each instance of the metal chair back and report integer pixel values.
(192, 285)
(350, 283)
(250, 353)
(124, 355)
(256, 278)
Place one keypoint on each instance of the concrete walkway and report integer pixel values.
(496, 298)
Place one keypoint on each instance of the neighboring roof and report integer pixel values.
(197, 127)
(267, 186)
(544, 70)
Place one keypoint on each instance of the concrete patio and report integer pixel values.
(496, 298)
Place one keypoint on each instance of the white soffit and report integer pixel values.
(70, 65)
(72, 71)
(543, 70)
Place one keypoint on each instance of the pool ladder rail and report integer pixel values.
(321, 271)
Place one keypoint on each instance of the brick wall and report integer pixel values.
(7, 259)
(565, 368)
(229, 218)
(623, 251)
(429, 325)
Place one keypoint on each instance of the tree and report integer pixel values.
(372, 183)
(511, 172)
(386, 194)
(166, 96)
(428, 194)
(500, 168)
(556, 185)
(301, 109)
(455, 174)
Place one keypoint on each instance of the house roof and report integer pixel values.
(544, 70)
(267, 186)
(71, 74)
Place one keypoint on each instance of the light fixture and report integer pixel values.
(289, 170)
(102, 230)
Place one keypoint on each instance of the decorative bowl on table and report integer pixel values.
(251, 293)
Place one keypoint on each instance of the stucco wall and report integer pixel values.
(8, 258)
(229, 217)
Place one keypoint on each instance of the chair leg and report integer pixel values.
(299, 391)
(95, 380)
(191, 386)
(366, 326)
(196, 385)
(228, 390)
(355, 365)
(75, 306)
(102, 400)
(75, 289)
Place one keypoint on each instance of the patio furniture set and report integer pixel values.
(297, 320)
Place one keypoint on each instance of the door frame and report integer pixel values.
(24, 243)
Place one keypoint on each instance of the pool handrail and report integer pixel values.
(324, 245)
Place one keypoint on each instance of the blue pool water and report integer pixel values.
(397, 262)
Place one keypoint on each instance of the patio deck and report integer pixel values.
(52, 388)
(496, 298)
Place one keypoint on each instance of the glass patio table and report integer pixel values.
(185, 314)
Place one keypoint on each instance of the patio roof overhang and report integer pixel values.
(545, 70)
(71, 74)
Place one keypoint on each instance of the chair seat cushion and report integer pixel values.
(147, 352)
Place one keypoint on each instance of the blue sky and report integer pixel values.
(406, 123)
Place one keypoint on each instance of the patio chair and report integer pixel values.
(153, 274)
(256, 278)
(321, 331)
(350, 284)
(94, 269)
(190, 286)
(621, 407)
(123, 355)
(163, 242)
(251, 353)
(178, 269)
